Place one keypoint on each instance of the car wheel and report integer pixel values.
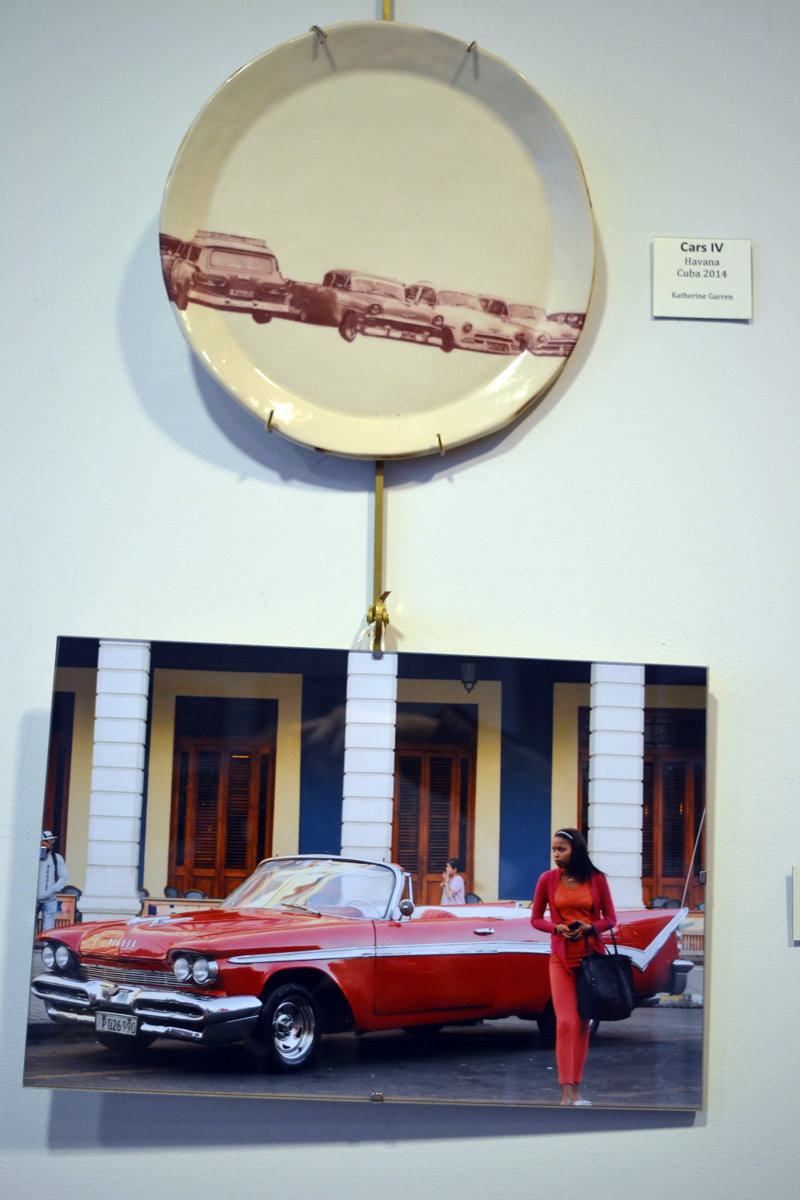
(349, 326)
(547, 1026)
(424, 1032)
(260, 317)
(448, 341)
(182, 294)
(127, 1045)
(286, 1035)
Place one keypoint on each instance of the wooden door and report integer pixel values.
(433, 815)
(222, 808)
(673, 796)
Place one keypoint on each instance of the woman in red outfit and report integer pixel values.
(578, 898)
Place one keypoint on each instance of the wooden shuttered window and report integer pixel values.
(222, 796)
(408, 792)
(440, 814)
(433, 815)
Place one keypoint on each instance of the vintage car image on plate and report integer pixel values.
(391, 156)
(309, 945)
(224, 271)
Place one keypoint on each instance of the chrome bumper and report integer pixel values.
(209, 1020)
(242, 304)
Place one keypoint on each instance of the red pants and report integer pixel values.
(572, 1034)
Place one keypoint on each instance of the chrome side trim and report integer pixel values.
(641, 959)
(413, 950)
(305, 955)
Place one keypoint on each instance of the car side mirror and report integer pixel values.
(406, 908)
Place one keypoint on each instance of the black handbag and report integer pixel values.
(604, 985)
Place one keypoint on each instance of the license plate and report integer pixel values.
(111, 1023)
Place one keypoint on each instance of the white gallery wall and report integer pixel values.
(646, 511)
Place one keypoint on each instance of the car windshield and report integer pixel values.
(237, 260)
(420, 295)
(323, 886)
(526, 312)
(383, 287)
(497, 308)
(459, 300)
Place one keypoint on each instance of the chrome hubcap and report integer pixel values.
(293, 1029)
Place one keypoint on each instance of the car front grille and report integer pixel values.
(136, 976)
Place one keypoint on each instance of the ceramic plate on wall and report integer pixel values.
(379, 242)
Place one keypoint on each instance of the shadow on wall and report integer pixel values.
(96, 1120)
(192, 409)
(187, 403)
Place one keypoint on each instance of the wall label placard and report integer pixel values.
(701, 277)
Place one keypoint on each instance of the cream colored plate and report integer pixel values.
(389, 151)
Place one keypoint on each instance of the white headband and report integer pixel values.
(563, 833)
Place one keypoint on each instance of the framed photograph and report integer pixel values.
(402, 877)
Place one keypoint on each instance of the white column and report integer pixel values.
(368, 795)
(616, 749)
(115, 807)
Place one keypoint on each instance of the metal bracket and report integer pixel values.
(472, 46)
(321, 34)
(268, 426)
(376, 612)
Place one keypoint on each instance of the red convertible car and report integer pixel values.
(318, 944)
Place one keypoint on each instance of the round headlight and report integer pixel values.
(467, 328)
(62, 957)
(182, 968)
(48, 957)
(203, 971)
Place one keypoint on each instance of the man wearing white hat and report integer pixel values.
(52, 878)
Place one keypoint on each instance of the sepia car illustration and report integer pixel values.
(316, 944)
(358, 302)
(575, 320)
(225, 271)
(545, 335)
(470, 326)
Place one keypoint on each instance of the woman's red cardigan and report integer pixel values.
(545, 896)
